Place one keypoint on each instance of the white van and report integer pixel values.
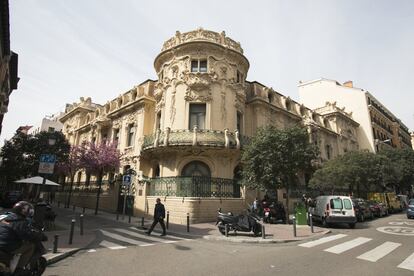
(333, 209)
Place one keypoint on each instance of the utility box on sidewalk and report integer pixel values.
(300, 214)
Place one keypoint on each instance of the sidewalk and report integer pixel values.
(275, 233)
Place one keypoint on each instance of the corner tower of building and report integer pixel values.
(201, 82)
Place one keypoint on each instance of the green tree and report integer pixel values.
(20, 155)
(402, 161)
(356, 171)
(274, 158)
(16, 158)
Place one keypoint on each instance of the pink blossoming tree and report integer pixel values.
(99, 159)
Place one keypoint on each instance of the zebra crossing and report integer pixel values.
(372, 255)
(121, 238)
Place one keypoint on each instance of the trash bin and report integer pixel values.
(300, 214)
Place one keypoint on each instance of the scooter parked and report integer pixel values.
(35, 267)
(242, 223)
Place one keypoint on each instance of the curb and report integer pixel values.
(260, 240)
(63, 255)
(60, 256)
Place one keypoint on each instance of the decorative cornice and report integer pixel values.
(202, 35)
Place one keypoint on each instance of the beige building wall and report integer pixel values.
(164, 142)
(316, 93)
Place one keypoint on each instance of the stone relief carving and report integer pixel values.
(223, 105)
(172, 109)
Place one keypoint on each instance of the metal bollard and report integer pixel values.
(188, 222)
(294, 226)
(311, 222)
(83, 210)
(263, 232)
(226, 230)
(81, 224)
(142, 222)
(55, 243)
(129, 218)
(72, 229)
(168, 218)
(117, 215)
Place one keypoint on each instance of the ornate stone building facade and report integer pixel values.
(183, 132)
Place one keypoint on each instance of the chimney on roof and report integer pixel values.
(349, 84)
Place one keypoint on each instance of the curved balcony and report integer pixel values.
(194, 186)
(195, 137)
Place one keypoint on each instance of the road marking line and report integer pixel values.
(338, 249)
(408, 263)
(111, 245)
(134, 234)
(379, 251)
(322, 240)
(121, 238)
(173, 237)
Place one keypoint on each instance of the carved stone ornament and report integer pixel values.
(199, 81)
(198, 96)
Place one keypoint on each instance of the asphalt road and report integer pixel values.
(361, 251)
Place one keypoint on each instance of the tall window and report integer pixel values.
(116, 136)
(197, 116)
(239, 77)
(328, 151)
(158, 120)
(199, 65)
(239, 122)
(130, 135)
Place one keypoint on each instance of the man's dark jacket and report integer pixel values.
(159, 211)
(14, 229)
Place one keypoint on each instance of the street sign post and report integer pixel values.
(126, 182)
(47, 163)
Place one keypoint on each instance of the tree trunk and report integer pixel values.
(70, 190)
(98, 193)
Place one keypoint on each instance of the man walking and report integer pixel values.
(159, 215)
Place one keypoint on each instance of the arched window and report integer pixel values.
(156, 172)
(196, 168)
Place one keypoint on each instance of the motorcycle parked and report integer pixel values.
(242, 223)
(274, 211)
(35, 267)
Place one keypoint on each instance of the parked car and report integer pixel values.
(379, 209)
(362, 210)
(410, 208)
(9, 198)
(333, 210)
(391, 201)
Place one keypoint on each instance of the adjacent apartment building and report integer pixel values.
(49, 124)
(379, 127)
(8, 62)
(183, 132)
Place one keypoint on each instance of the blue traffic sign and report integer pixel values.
(47, 158)
(126, 179)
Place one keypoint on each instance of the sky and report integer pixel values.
(102, 48)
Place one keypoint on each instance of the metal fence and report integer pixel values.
(194, 186)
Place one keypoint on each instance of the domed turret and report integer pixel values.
(201, 82)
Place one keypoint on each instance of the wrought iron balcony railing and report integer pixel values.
(195, 137)
(194, 186)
